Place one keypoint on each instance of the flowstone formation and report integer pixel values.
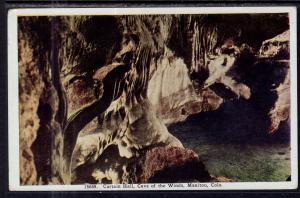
(97, 92)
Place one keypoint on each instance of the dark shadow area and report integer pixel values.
(222, 91)
(235, 122)
(42, 147)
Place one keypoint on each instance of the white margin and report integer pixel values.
(13, 102)
(294, 99)
(13, 96)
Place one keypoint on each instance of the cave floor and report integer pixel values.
(232, 143)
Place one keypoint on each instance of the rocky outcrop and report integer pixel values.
(277, 47)
(277, 52)
(154, 164)
(170, 165)
(281, 110)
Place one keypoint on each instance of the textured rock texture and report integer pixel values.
(172, 92)
(30, 92)
(281, 110)
(96, 92)
(170, 164)
(277, 47)
(154, 164)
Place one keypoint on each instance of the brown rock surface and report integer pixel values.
(157, 164)
(31, 87)
(170, 164)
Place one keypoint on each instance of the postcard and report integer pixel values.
(160, 98)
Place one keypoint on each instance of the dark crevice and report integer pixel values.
(42, 147)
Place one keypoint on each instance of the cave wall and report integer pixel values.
(40, 105)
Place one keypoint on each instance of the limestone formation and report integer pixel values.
(97, 93)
